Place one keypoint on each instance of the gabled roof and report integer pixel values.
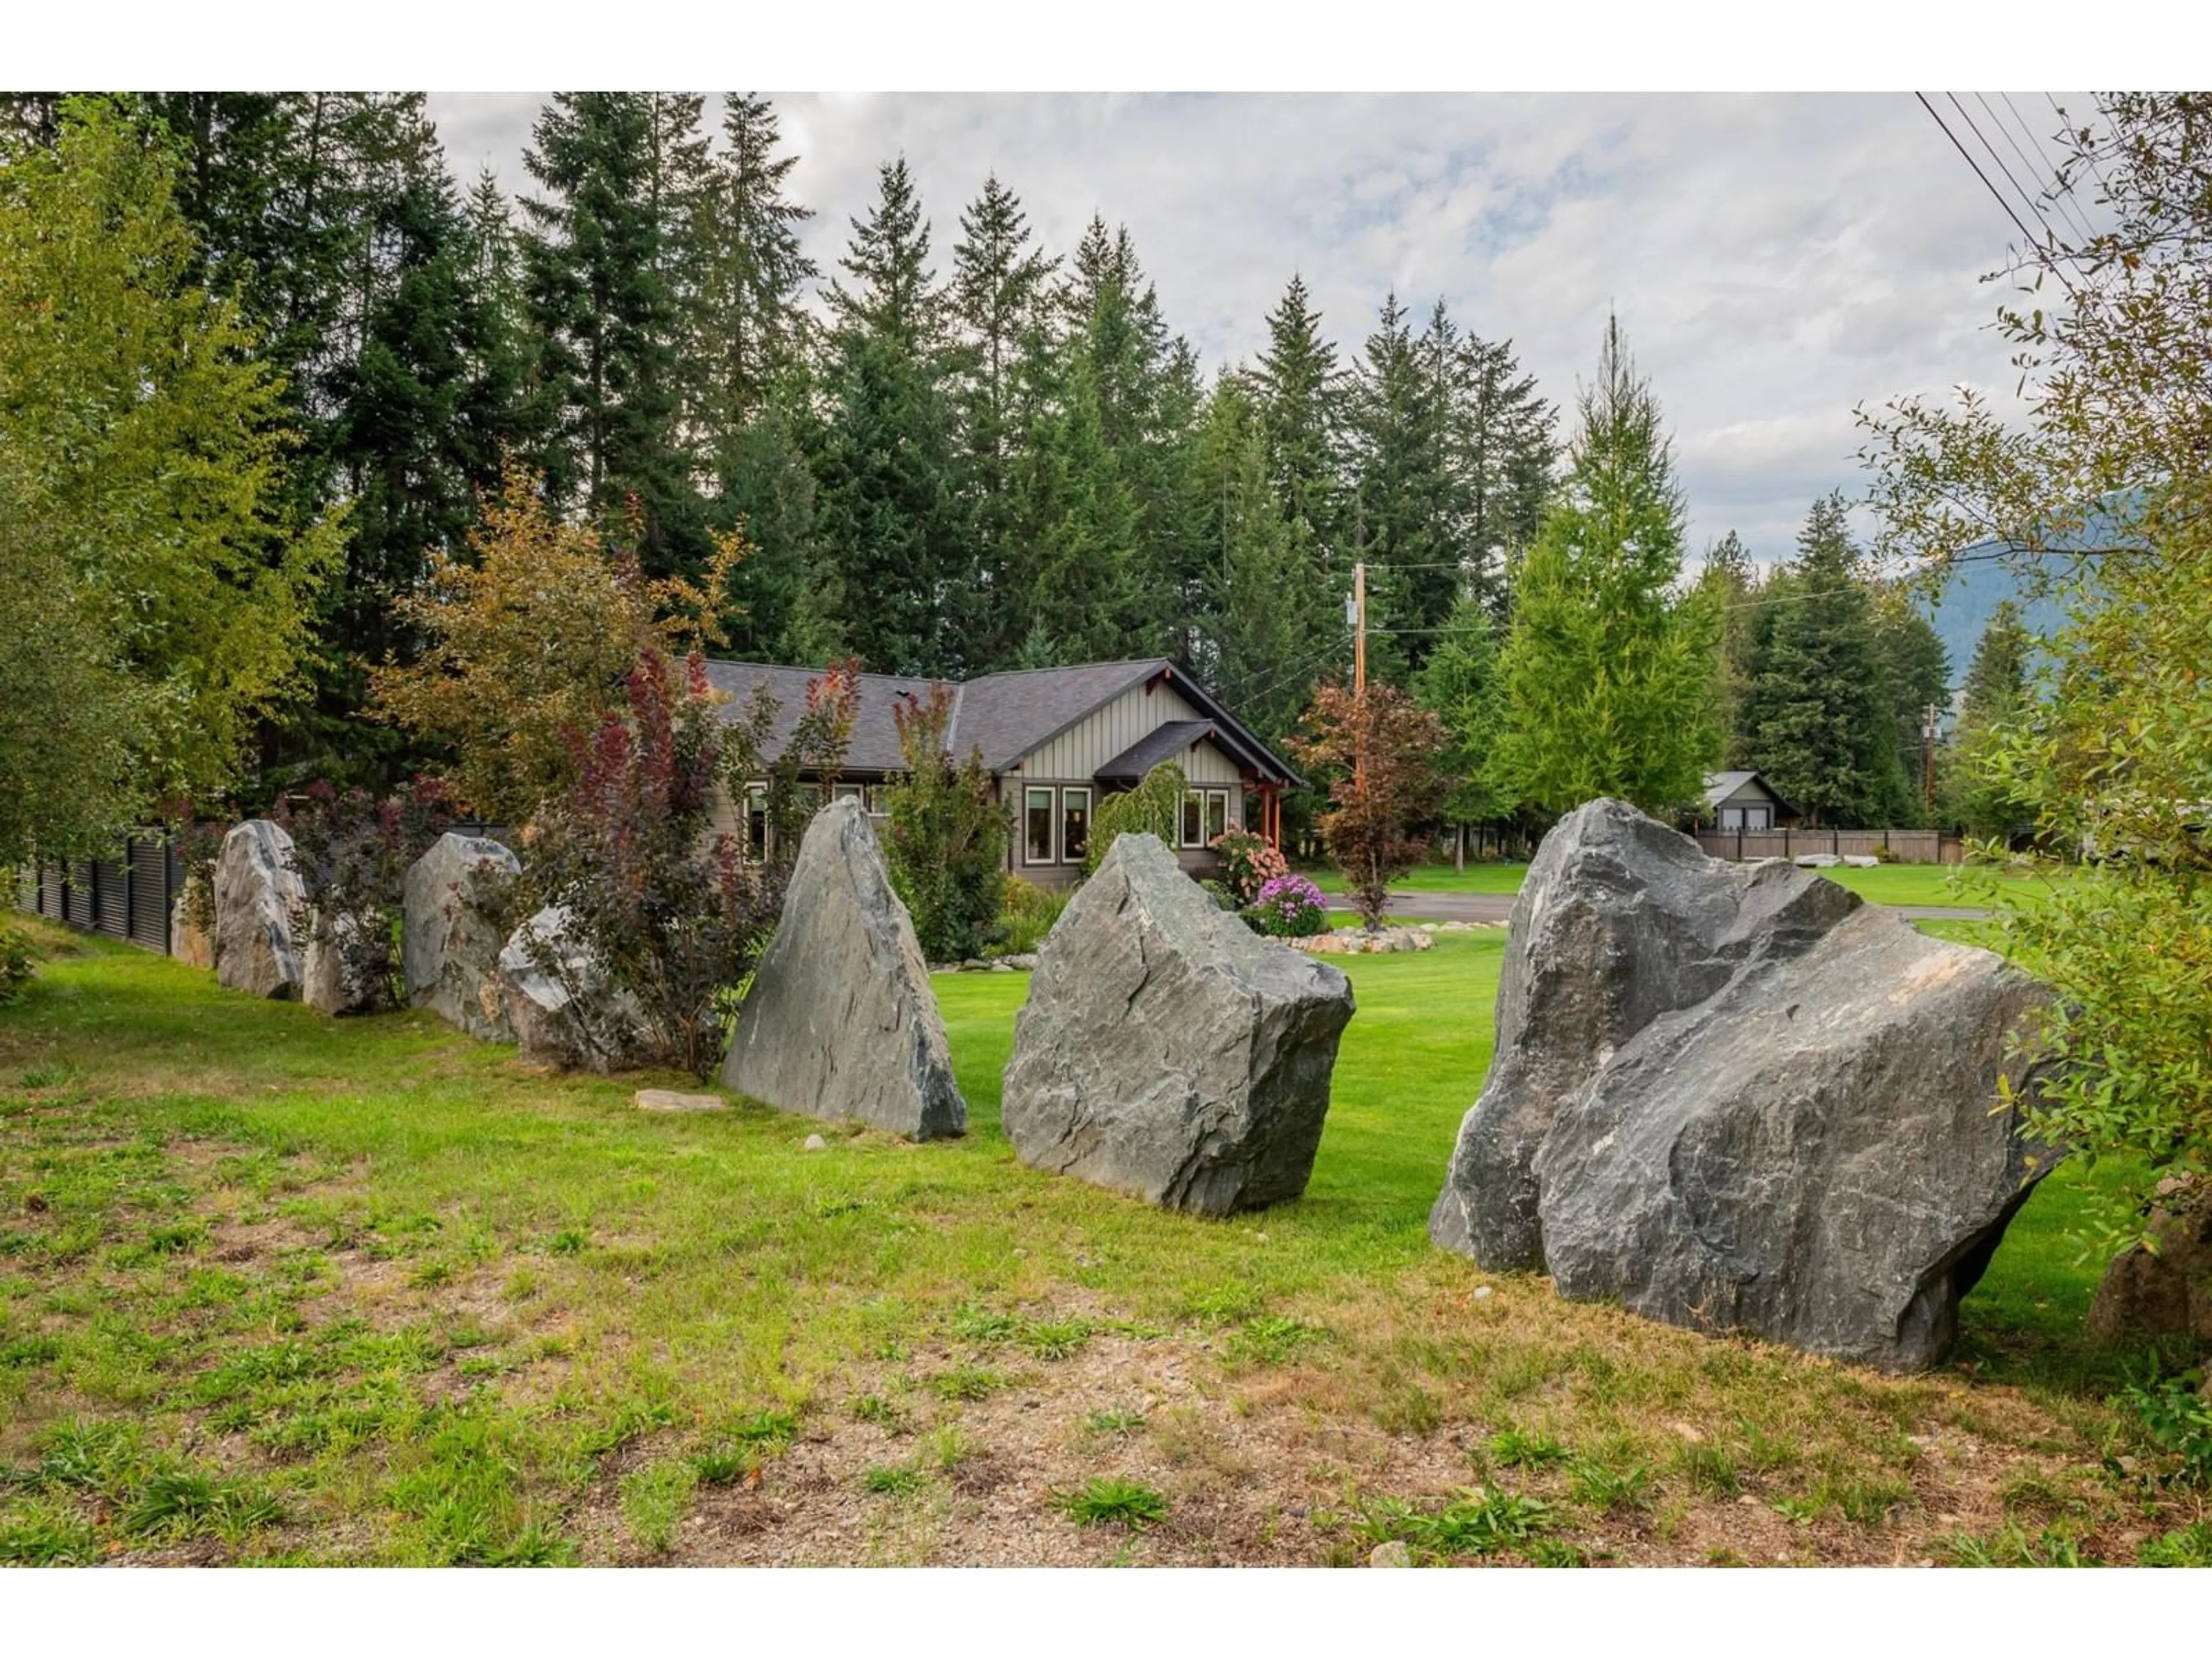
(1719, 785)
(1164, 742)
(1008, 716)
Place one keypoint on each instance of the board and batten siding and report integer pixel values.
(1077, 754)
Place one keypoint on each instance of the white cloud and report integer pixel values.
(1776, 260)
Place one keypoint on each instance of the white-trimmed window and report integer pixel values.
(1205, 815)
(1036, 826)
(879, 800)
(1074, 824)
(858, 791)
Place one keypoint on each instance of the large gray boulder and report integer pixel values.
(1736, 1098)
(543, 971)
(841, 1023)
(258, 896)
(450, 932)
(335, 978)
(1167, 1051)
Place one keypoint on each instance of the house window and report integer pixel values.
(879, 800)
(850, 792)
(1074, 824)
(1746, 817)
(1036, 830)
(1205, 815)
(756, 820)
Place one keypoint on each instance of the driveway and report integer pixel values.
(1498, 908)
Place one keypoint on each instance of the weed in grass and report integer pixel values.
(770, 1432)
(1707, 1470)
(1765, 1452)
(1055, 1339)
(2013, 1545)
(1870, 1500)
(46, 1533)
(1800, 1511)
(570, 1241)
(1476, 1523)
(1230, 1303)
(1270, 1338)
(2174, 1415)
(2031, 1493)
(973, 1322)
(948, 1448)
(26, 1352)
(92, 1455)
(1110, 1501)
(1518, 1449)
(184, 1503)
(723, 1466)
(874, 1408)
(653, 1499)
(968, 1382)
(55, 1074)
(431, 1274)
(1554, 1553)
(2184, 1547)
(1115, 1423)
(1606, 1487)
(894, 1480)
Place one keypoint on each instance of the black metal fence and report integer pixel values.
(129, 897)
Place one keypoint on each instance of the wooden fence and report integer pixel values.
(1902, 846)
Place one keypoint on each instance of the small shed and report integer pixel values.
(1745, 801)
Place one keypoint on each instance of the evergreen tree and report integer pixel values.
(1730, 583)
(902, 585)
(601, 282)
(1299, 388)
(1257, 641)
(1821, 724)
(1915, 680)
(1504, 451)
(1606, 680)
(1403, 493)
(1975, 793)
(1460, 683)
(749, 329)
(1000, 287)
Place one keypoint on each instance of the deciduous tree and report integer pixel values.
(1382, 754)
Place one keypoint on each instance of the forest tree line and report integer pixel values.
(958, 451)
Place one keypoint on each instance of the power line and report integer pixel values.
(2027, 200)
(2035, 169)
(2026, 235)
(2061, 194)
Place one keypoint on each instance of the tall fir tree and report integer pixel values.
(748, 326)
(901, 583)
(1730, 582)
(1915, 682)
(1402, 518)
(1606, 680)
(601, 276)
(1821, 724)
(1000, 285)
(1505, 449)
(1299, 389)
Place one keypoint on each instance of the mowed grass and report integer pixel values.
(279, 1288)
(1935, 886)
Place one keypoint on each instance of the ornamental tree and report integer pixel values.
(2102, 498)
(1382, 754)
(947, 844)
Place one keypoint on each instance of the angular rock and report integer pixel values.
(331, 983)
(258, 896)
(188, 944)
(1167, 1051)
(2167, 1291)
(536, 1002)
(1736, 1098)
(450, 934)
(841, 1023)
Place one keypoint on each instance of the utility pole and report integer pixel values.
(1359, 631)
(1928, 760)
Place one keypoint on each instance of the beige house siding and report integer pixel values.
(1199, 860)
(1076, 753)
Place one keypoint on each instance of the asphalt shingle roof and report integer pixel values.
(1004, 715)
(1163, 742)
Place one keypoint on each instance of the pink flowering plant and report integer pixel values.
(1248, 863)
(1290, 906)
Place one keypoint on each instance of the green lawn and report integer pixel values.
(1890, 883)
(279, 1288)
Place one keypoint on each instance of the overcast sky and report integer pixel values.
(1776, 260)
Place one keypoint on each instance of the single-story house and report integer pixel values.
(1055, 741)
(1744, 800)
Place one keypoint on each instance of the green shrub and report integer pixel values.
(1149, 809)
(947, 839)
(1029, 915)
(1106, 1501)
(14, 962)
